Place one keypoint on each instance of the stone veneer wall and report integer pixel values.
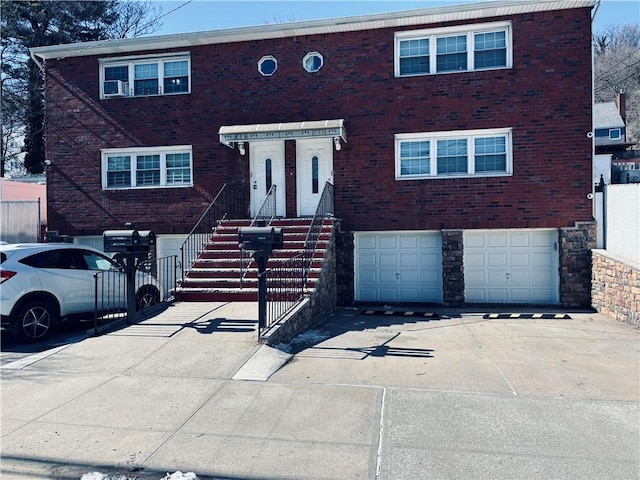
(575, 245)
(318, 305)
(453, 268)
(615, 290)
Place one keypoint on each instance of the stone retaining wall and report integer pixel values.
(615, 287)
(317, 306)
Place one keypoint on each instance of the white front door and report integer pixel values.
(314, 167)
(267, 169)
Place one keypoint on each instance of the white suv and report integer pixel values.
(42, 283)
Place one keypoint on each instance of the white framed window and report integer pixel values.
(468, 153)
(615, 134)
(145, 76)
(312, 62)
(463, 48)
(267, 65)
(138, 167)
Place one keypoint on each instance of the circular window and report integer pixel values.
(312, 62)
(267, 65)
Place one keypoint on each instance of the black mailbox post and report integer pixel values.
(129, 245)
(261, 241)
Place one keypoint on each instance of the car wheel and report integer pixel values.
(147, 297)
(33, 321)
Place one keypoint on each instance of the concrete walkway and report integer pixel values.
(364, 397)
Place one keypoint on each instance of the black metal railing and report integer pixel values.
(267, 210)
(263, 217)
(229, 202)
(155, 283)
(285, 289)
(325, 209)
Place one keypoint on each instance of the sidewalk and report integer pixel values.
(365, 397)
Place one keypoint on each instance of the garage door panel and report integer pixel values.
(408, 242)
(496, 240)
(388, 294)
(496, 259)
(388, 241)
(402, 266)
(368, 276)
(527, 261)
(519, 276)
(366, 241)
(408, 259)
(475, 276)
(388, 260)
(519, 239)
(542, 259)
(520, 295)
(543, 239)
(496, 277)
(409, 276)
(497, 295)
(520, 259)
(367, 259)
(386, 276)
(542, 277)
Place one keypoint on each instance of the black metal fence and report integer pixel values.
(285, 289)
(228, 203)
(155, 283)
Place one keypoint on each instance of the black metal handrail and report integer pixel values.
(228, 202)
(324, 209)
(263, 217)
(267, 210)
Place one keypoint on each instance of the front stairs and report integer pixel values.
(221, 274)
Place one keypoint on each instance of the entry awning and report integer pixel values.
(233, 134)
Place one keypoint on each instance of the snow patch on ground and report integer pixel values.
(168, 476)
(310, 337)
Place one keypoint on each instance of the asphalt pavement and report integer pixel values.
(370, 393)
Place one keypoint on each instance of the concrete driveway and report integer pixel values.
(365, 396)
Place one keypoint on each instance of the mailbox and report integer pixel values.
(147, 242)
(263, 239)
(121, 241)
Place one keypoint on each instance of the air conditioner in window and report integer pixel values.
(115, 88)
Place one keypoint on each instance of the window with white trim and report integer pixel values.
(462, 48)
(468, 153)
(147, 167)
(145, 76)
(615, 134)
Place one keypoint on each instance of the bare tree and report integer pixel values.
(617, 69)
(33, 23)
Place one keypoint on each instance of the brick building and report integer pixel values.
(456, 139)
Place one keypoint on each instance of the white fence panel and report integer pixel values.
(20, 221)
(622, 220)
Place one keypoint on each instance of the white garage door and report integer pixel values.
(398, 267)
(511, 266)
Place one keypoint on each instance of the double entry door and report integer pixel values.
(314, 167)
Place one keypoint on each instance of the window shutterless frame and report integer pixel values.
(463, 48)
(145, 75)
(454, 154)
(155, 167)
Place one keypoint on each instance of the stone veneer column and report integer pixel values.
(452, 268)
(344, 268)
(575, 244)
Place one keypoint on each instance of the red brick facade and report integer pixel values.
(545, 97)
